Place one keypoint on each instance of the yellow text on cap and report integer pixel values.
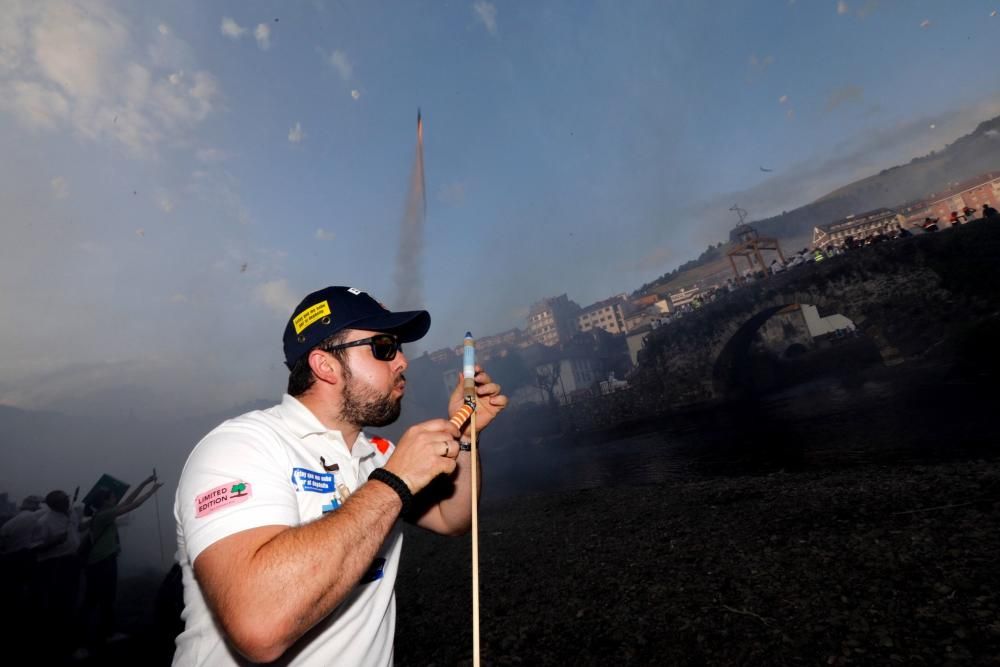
(310, 315)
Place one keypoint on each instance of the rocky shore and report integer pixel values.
(870, 565)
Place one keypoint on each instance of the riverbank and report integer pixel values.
(874, 564)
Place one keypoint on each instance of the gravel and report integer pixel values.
(877, 564)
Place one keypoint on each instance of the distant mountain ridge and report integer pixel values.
(968, 156)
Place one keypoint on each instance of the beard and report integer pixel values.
(364, 406)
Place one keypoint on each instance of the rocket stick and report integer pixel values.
(468, 411)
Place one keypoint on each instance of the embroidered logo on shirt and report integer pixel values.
(312, 481)
(381, 444)
(226, 495)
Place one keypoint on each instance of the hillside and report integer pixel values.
(967, 157)
(971, 155)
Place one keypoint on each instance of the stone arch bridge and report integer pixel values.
(915, 298)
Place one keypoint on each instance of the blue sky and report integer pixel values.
(177, 175)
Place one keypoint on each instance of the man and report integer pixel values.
(287, 517)
(18, 541)
(57, 574)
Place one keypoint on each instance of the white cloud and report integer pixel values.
(34, 104)
(486, 12)
(263, 36)
(231, 28)
(77, 68)
(992, 133)
(356, 94)
(295, 134)
(340, 63)
(324, 235)
(59, 188)
(842, 7)
(277, 295)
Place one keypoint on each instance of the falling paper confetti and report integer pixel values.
(925, 23)
(355, 94)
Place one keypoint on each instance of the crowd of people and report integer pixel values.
(59, 571)
(955, 219)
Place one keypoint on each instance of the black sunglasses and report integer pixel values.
(384, 346)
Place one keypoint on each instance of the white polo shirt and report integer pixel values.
(281, 466)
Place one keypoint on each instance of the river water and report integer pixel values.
(880, 416)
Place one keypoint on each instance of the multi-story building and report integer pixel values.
(684, 296)
(858, 227)
(973, 193)
(553, 320)
(608, 314)
(497, 345)
(646, 309)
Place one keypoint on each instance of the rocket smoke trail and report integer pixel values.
(409, 281)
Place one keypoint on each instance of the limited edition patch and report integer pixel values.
(220, 497)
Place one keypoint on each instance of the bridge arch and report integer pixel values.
(731, 374)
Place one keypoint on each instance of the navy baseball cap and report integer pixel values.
(332, 309)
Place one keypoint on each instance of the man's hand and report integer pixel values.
(489, 400)
(425, 451)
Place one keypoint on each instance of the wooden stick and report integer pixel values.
(475, 546)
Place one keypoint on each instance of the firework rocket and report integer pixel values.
(468, 381)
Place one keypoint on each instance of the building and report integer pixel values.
(973, 193)
(645, 310)
(635, 341)
(858, 227)
(553, 320)
(497, 345)
(682, 297)
(608, 315)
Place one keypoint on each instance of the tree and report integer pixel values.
(547, 375)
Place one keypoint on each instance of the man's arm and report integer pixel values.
(125, 508)
(268, 586)
(452, 514)
(134, 493)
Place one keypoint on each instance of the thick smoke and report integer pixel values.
(409, 279)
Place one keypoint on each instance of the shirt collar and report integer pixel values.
(303, 422)
(299, 418)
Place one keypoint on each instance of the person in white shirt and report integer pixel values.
(57, 573)
(287, 529)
